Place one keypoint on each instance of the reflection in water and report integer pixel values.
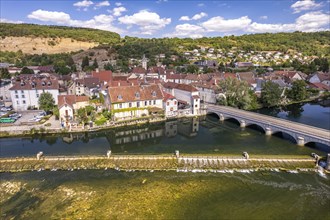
(204, 135)
(313, 114)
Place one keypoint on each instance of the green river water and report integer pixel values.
(110, 194)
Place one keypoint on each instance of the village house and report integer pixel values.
(26, 91)
(170, 105)
(68, 105)
(128, 102)
(88, 86)
(187, 96)
(320, 77)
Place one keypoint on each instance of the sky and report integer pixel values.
(173, 18)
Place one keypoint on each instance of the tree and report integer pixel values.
(108, 66)
(237, 93)
(95, 64)
(271, 94)
(82, 115)
(46, 102)
(84, 62)
(298, 91)
(192, 69)
(4, 73)
(26, 70)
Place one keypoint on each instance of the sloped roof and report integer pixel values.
(134, 93)
(104, 76)
(70, 100)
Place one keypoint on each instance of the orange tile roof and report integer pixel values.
(135, 93)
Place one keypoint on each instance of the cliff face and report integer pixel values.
(38, 45)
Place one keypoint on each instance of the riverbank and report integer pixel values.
(221, 163)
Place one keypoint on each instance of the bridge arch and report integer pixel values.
(285, 135)
(256, 126)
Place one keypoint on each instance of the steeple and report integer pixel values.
(144, 62)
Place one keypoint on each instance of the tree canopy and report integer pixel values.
(46, 101)
(271, 94)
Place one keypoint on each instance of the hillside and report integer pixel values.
(47, 31)
(38, 45)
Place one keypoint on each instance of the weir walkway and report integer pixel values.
(157, 162)
(301, 133)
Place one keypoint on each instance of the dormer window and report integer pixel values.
(120, 97)
(137, 95)
(43, 83)
(49, 83)
(33, 84)
(154, 93)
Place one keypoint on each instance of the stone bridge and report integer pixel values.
(302, 133)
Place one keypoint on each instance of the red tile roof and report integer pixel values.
(35, 83)
(70, 100)
(104, 76)
(320, 86)
(185, 87)
(168, 96)
(134, 93)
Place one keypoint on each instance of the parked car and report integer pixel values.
(4, 109)
(15, 115)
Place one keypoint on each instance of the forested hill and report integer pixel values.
(316, 43)
(46, 31)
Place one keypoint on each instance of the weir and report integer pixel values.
(147, 162)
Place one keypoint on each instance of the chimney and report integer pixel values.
(118, 83)
(97, 70)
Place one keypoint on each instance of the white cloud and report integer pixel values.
(83, 4)
(148, 22)
(195, 17)
(102, 21)
(4, 20)
(200, 4)
(219, 24)
(118, 4)
(264, 17)
(102, 4)
(118, 11)
(305, 5)
(199, 16)
(160, 1)
(187, 30)
(50, 16)
(184, 18)
(309, 22)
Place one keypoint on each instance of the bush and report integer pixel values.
(48, 124)
(101, 121)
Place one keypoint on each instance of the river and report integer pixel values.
(111, 194)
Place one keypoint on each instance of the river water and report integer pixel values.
(111, 194)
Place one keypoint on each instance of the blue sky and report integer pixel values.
(172, 18)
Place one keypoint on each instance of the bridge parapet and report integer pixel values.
(301, 133)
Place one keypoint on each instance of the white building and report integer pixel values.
(187, 96)
(170, 105)
(127, 102)
(26, 92)
(68, 104)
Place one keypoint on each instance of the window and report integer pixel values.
(120, 105)
(22, 91)
(120, 97)
(150, 102)
(167, 103)
(130, 105)
(138, 104)
(196, 100)
(16, 91)
(16, 96)
(174, 102)
(195, 106)
(154, 102)
(23, 96)
(154, 94)
(137, 95)
(145, 103)
(17, 102)
(23, 101)
(37, 95)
